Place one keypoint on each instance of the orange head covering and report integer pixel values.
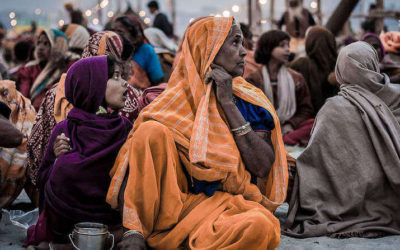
(188, 107)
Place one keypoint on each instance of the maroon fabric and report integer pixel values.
(26, 77)
(300, 136)
(149, 95)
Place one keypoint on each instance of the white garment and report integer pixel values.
(160, 42)
(286, 93)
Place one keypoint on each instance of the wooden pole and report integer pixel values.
(379, 20)
(173, 3)
(340, 16)
(271, 13)
(249, 12)
(100, 13)
(319, 12)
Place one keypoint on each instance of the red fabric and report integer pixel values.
(301, 135)
(26, 77)
(39, 232)
(149, 95)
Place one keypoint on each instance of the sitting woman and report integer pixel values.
(55, 107)
(349, 175)
(318, 66)
(39, 75)
(73, 181)
(78, 38)
(13, 159)
(146, 67)
(285, 88)
(164, 47)
(204, 166)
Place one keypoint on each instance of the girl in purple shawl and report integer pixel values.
(73, 186)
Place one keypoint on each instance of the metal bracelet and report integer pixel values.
(241, 127)
(132, 232)
(245, 129)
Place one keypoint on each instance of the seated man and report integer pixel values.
(349, 177)
(204, 166)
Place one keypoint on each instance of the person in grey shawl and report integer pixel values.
(348, 179)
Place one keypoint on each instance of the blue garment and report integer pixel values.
(260, 120)
(5, 110)
(147, 58)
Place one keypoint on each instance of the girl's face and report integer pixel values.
(281, 53)
(43, 48)
(116, 90)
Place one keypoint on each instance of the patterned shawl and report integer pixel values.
(13, 160)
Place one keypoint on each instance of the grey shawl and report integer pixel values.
(348, 179)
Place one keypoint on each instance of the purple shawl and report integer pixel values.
(76, 185)
(365, 36)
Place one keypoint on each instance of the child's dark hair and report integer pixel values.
(127, 48)
(23, 51)
(267, 43)
(131, 25)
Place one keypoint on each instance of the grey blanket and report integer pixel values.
(348, 179)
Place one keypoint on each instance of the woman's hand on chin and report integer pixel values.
(223, 83)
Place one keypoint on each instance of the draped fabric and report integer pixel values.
(55, 107)
(13, 160)
(77, 35)
(188, 107)
(50, 73)
(286, 102)
(349, 179)
(170, 216)
(75, 184)
(318, 64)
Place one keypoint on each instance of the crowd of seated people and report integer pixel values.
(187, 146)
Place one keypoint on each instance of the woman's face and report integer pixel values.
(232, 53)
(122, 29)
(43, 48)
(116, 90)
(281, 53)
(374, 42)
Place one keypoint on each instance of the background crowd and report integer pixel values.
(293, 65)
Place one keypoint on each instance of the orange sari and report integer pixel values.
(184, 130)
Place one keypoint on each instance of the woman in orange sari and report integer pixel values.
(204, 166)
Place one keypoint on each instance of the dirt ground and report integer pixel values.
(12, 238)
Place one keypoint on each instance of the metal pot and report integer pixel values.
(90, 236)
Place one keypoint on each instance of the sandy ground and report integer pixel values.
(12, 238)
